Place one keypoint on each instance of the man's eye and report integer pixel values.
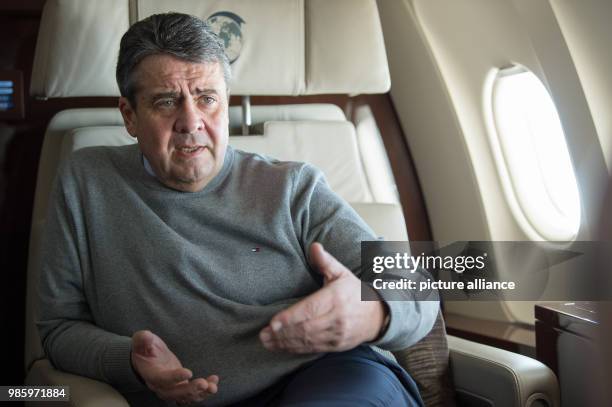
(165, 103)
(209, 100)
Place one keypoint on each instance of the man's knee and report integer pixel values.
(347, 380)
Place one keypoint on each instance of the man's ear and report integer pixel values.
(129, 115)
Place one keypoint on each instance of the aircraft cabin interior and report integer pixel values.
(472, 127)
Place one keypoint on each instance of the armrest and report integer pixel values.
(84, 392)
(484, 375)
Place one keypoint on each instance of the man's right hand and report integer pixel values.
(164, 374)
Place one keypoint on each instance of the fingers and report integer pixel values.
(331, 319)
(154, 362)
(325, 263)
(323, 300)
(323, 334)
(170, 378)
(189, 392)
(164, 373)
(314, 306)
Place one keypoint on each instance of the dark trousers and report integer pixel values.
(358, 377)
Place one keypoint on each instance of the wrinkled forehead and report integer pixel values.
(167, 73)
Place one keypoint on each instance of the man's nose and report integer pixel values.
(190, 119)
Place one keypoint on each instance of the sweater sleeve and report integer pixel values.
(320, 215)
(69, 335)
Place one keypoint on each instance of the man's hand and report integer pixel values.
(164, 374)
(332, 319)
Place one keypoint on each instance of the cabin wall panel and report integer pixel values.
(431, 129)
(564, 84)
(442, 56)
(587, 30)
(435, 137)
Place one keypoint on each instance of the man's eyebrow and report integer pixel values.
(162, 95)
(172, 94)
(207, 91)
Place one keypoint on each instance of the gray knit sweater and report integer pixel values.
(205, 271)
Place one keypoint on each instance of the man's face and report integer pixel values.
(180, 120)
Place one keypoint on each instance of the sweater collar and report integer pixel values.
(153, 180)
(147, 166)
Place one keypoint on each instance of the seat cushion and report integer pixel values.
(427, 361)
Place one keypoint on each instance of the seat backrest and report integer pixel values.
(278, 47)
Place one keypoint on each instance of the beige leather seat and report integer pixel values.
(301, 47)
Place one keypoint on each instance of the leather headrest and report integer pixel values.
(279, 47)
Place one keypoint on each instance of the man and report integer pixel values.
(179, 269)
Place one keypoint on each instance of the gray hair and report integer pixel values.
(180, 35)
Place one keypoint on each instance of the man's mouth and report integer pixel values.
(190, 149)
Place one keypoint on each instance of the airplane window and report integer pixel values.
(535, 155)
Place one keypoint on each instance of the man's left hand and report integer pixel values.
(332, 319)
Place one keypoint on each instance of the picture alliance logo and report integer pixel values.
(404, 261)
